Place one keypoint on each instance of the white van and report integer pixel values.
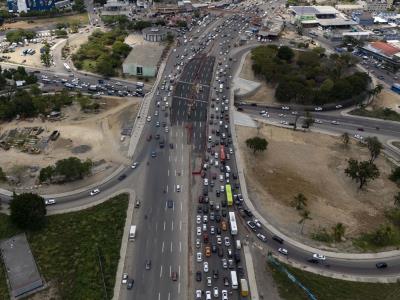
(238, 245)
(228, 169)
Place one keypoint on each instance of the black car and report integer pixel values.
(198, 276)
(223, 212)
(122, 177)
(171, 146)
(381, 265)
(237, 257)
(129, 286)
(313, 260)
(214, 248)
(248, 212)
(199, 209)
(215, 274)
(277, 239)
(170, 203)
(218, 230)
(217, 193)
(205, 209)
(218, 218)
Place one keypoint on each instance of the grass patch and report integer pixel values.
(379, 113)
(325, 288)
(89, 65)
(67, 249)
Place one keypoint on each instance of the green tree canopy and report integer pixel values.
(257, 144)
(374, 147)
(299, 201)
(395, 175)
(362, 171)
(285, 53)
(28, 211)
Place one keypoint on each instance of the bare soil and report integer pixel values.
(99, 133)
(387, 99)
(313, 164)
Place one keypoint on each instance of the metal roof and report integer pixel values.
(145, 55)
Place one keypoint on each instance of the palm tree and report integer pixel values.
(299, 201)
(338, 231)
(375, 91)
(305, 215)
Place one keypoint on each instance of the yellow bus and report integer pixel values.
(228, 192)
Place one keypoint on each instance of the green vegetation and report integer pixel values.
(345, 139)
(27, 211)
(66, 170)
(379, 113)
(2, 175)
(299, 201)
(395, 176)
(15, 36)
(15, 74)
(45, 57)
(386, 235)
(79, 6)
(309, 77)
(325, 288)
(70, 248)
(60, 33)
(123, 23)
(103, 53)
(374, 147)
(30, 103)
(362, 171)
(322, 235)
(257, 144)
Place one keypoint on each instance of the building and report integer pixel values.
(349, 8)
(143, 60)
(324, 16)
(18, 6)
(115, 7)
(387, 52)
(364, 19)
(22, 272)
(377, 6)
(154, 34)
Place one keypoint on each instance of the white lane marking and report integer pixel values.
(180, 225)
(161, 271)
(182, 133)
(179, 271)
(159, 296)
(156, 227)
(162, 247)
(180, 246)
(181, 206)
(165, 208)
(168, 172)
(169, 158)
(171, 247)
(169, 296)
(172, 226)
(164, 225)
(170, 270)
(182, 159)
(167, 188)
(179, 287)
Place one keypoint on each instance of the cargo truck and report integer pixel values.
(244, 288)
(132, 233)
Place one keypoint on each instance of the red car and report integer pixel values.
(174, 276)
(149, 138)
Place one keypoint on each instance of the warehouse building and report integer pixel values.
(143, 60)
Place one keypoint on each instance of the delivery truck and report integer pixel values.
(132, 233)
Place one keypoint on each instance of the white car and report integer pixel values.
(148, 118)
(178, 188)
(94, 192)
(198, 292)
(318, 121)
(262, 237)
(283, 251)
(358, 137)
(208, 281)
(198, 230)
(198, 219)
(166, 129)
(227, 241)
(135, 164)
(205, 181)
(205, 219)
(199, 257)
(219, 240)
(49, 201)
(285, 107)
(318, 108)
(198, 243)
(205, 267)
(335, 122)
(257, 222)
(319, 256)
(338, 106)
(124, 278)
(215, 292)
(208, 295)
(224, 295)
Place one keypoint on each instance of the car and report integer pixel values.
(174, 276)
(360, 129)
(94, 192)
(224, 263)
(225, 294)
(313, 261)
(157, 124)
(335, 122)
(148, 118)
(178, 188)
(125, 278)
(285, 108)
(153, 154)
(198, 219)
(381, 265)
(257, 222)
(135, 165)
(212, 229)
(198, 230)
(262, 237)
(198, 243)
(226, 281)
(207, 251)
(198, 276)
(205, 219)
(208, 295)
(209, 281)
(319, 256)
(277, 239)
(283, 251)
(318, 108)
(339, 106)
(129, 286)
(120, 177)
(318, 121)
(170, 203)
(252, 225)
(215, 292)
(227, 241)
(148, 264)
(205, 267)
(198, 294)
(50, 201)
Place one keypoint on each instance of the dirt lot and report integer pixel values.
(313, 164)
(387, 99)
(28, 60)
(265, 94)
(94, 136)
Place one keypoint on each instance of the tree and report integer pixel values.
(338, 231)
(383, 236)
(362, 171)
(397, 199)
(299, 201)
(2, 175)
(285, 53)
(395, 176)
(308, 119)
(345, 138)
(170, 37)
(45, 57)
(28, 211)
(104, 66)
(374, 147)
(79, 6)
(257, 144)
(375, 91)
(305, 215)
(46, 173)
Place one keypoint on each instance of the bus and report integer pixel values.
(396, 88)
(232, 222)
(228, 192)
(67, 67)
(234, 280)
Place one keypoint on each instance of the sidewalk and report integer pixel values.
(250, 273)
(275, 231)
